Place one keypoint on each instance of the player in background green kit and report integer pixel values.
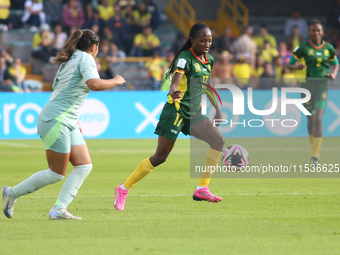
(317, 53)
(182, 113)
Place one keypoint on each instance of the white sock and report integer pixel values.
(71, 186)
(199, 187)
(123, 187)
(35, 182)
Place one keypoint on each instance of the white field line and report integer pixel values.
(185, 195)
(20, 145)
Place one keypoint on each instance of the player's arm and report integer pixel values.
(99, 84)
(333, 60)
(173, 90)
(292, 64)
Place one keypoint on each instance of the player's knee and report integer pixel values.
(218, 142)
(84, 170)
(317, 120)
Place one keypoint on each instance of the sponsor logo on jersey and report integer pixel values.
(197, 67)
(326, 52)
(318, 53)
(181, 63)
(310, 52)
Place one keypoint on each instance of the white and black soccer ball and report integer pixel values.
(235, 156)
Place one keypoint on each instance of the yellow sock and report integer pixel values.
(316, 146)
(311, 139)
(144, 168)
(212, 159)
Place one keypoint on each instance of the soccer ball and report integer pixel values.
(235, 156)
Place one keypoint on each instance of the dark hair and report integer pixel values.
(81, 40)
(315, 21)
(194, 31)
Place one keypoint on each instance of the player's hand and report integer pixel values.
(176, 95)
(331, 76)
(119, 80)
(301, 66)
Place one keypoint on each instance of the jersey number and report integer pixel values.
(178, 120)
(205, 79)
(319, 60)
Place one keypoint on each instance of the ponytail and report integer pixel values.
(195, 29)
(80, 39)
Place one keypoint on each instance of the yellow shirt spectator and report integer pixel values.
(36, 40)
(144, 42)
(259, 40)
(14, 73)
(106, 12)
(156, 67)
(4, 8)
(269, 54)
(242, 71)
(142, 20)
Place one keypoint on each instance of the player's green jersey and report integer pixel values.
(193, 69)
(316, 58)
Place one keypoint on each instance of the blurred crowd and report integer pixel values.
(126, 29)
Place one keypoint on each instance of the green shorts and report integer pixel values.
(58, 137)
(171, 123)
(319, 94)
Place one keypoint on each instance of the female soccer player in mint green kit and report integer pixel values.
(58, 125)
(179, 115)
(317, 53)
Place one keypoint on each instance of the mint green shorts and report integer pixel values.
(58, 137)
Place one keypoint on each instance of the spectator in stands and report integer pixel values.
(130, 19)
(88, 11)
(142, 15)
(73, 15)
(6, 83)
(214, 46)
(284, 53)
(178, 42)
(106, 11)
(4, 14)
(259, 67)
(156, 67)
(267, 81)
(289, 78)
(242, 70)
(245, 44)
(8, 58)
(264, 36)
(278, 67)
(34, 15)
(119, 26)
(226, 40)
(105, 57)
(165, 84)
(95, 29)
(95, 20)
(53, 10)
(296, 20)
(145, 43)
(18, 74)
(60, 38)
(269, 53)
(294, 39)
(117, 53)
(37, 36)
(153, 9)
(44, 51)
(111, 37)
(222, 70)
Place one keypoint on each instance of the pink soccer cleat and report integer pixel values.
(120, 197)
(205, 194)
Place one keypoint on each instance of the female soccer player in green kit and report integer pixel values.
(59, 128)
(192, 61)
(317, 53)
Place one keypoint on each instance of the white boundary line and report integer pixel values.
(184, 195)
(20, 145)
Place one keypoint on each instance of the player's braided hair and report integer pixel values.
(80, 39)
(194, 31)
(315, 21)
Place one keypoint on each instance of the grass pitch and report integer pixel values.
(256, 216)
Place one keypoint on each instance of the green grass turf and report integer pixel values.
(256, 216)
